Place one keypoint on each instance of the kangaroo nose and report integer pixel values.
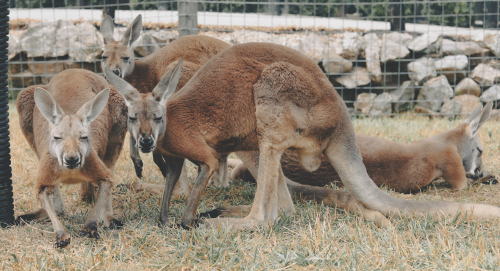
(72, 162)
(117, 72)
(146, 141)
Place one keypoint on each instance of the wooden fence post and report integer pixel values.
(188, 17)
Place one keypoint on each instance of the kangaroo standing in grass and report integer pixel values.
(454, 155)
(144, 74)
(77, 134)
(259, 99)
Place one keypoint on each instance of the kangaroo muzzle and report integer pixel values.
(117, 72)
(72, 162)
(146, 143)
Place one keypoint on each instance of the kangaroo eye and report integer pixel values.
(158, 119)
(57, 138)
(480, 152)
(125, 58)
(104, 57)
(84, 137)
(132, 119)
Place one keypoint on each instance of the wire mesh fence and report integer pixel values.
(383, 56)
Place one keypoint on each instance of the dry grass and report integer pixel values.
(315, 238)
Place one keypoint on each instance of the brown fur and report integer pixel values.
(147, 73)
(71, 89)
(402, 167)
(267, 98)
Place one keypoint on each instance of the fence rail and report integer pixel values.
(382, 56)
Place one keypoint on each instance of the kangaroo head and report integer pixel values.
(119, 55)
(69, 140)
(470, 149)
(146, 112)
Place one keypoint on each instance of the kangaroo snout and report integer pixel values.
(146, 143)
(71, 162)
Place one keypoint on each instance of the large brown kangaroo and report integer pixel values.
(259, 99)
(144, 74)
(77, 135)
(454, 156)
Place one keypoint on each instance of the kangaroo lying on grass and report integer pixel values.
(454, 156)
(144, 74)
(77, 135)
(259, 99)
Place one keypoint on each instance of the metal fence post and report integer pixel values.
(6, 196)
(397, 15)
(188, 17)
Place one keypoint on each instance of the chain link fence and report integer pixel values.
(383, 56)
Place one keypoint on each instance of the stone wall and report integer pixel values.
(377, 73)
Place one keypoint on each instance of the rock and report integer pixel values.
(14, 67)
(402, 96)
(391, 50)
(468, 104)
(491, 94)
(22, 80)
(48, 39)
(450, 47)
(312, 45)
(347, 44)
(453, 67)
(86, 43)
(371, 44)
(492, 41)
(423, 41)
(398, 38)
(469, 87)
(430, 113)
(434, 92)
(46, 66)
(364, 102)
(450, 108)
(381, 105)
(333, 63)
(14, 43)
(422, 69)
(485, 75)
(358, 77)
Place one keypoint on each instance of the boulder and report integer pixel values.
(453, 67)
(381, 105)
(347, 44)
(398, 38)
(434, 92)
(485, 75)
(364, 102)
(48, 39)
(391, 50)
(423, 41)
(358, 77)
(422, 70)
(450, 47)
(450, 108)
(333, 63)
(491, 94)
(14, 43)
(468, 104)
(402, 96)
(312, 45)
(86, 43)
(469, 87)
(492, 41)
(371, 45)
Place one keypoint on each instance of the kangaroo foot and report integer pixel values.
(90, 231)
(62, 239)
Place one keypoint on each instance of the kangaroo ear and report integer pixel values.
(133, 31)
(127, 91)
(167, 84)
(91, 109)
(107, 29)
(48, 106)
(479, 117)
